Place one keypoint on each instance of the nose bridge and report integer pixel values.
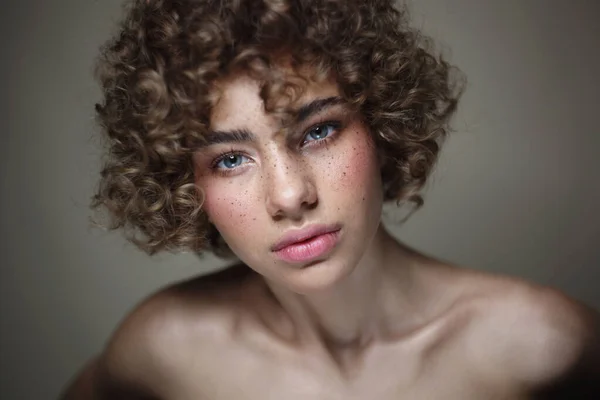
(289, 186)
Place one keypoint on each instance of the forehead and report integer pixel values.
(239, 103)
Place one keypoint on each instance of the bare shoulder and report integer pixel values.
(179, 326)
(526, 334)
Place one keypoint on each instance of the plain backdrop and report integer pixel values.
(517, 189)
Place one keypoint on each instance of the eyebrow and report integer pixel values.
(232, 136)
(315, 106)
(244, 135)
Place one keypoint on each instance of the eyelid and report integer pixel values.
(221, 157)
(335, 124)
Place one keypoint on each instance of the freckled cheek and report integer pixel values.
(229, 208)
(354, 168)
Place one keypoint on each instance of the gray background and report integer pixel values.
(516, 190)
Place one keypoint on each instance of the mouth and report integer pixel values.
(307, 244)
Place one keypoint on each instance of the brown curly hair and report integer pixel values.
(157, 75)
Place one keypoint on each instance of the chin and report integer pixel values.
(319, 276)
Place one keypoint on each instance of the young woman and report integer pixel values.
(273, 131)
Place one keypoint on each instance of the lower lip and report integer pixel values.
(310, 249)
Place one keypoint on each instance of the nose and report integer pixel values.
(290, 189)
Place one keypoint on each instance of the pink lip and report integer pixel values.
(307, 243)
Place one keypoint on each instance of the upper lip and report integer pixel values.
(303, 234)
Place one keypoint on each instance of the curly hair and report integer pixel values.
(157, 76)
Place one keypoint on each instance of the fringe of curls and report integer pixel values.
(157, 77)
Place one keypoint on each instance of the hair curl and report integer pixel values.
(157, 77)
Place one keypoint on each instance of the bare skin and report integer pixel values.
(468, 335)
(369, 319)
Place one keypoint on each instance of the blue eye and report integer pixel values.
(320, 132)
(230, 161)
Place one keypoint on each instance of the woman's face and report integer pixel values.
(301, 205)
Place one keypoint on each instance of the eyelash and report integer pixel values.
(336, 125)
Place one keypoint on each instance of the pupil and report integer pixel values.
(318, 133)
(231, 160)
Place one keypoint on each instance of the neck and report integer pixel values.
(364, 307)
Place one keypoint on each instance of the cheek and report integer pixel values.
(229, 208)
(356, 168)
